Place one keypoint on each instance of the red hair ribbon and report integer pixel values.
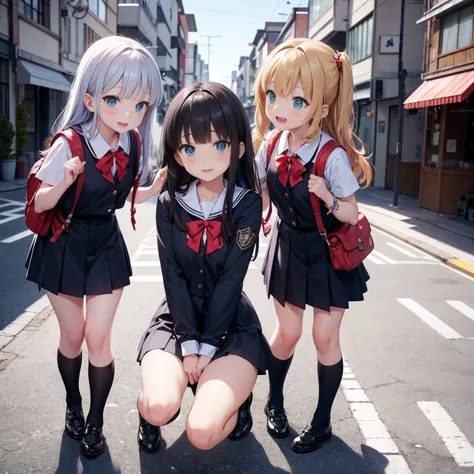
(337, 58)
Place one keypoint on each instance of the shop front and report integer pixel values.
(447, 167)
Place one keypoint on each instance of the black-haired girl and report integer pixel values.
(205, 333)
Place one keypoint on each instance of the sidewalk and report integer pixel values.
(6, 186)
(451, 239)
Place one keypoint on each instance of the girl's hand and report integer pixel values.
(317, 185)
(72, 169)
(190, 368)
(159, 180)
(203, 362)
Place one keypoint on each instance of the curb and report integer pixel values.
(448, 259)
(27, 318)
(16, 188)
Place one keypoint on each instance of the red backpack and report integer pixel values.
(52, 221)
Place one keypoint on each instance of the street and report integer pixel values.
(405, 404)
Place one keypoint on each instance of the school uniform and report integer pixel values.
(205, 311)
(297, 267)
(90, 257)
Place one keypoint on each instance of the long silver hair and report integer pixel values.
(107, 62)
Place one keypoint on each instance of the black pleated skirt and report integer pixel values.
(297, 269)
(89, 259)
(244, 340)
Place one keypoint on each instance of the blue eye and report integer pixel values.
(271, 97)
(139, 107)
(221, 146)
(110, 101)
(298, 103)
(189, 150)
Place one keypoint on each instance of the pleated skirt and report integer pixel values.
(91, 258)
(297, 270)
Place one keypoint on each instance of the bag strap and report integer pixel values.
(318, 170)
(75, 144)
(136, 179)
(272, 142)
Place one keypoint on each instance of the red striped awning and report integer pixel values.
(441, 91)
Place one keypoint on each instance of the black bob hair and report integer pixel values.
(194, 111)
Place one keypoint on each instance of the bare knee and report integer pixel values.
(202, 432)
(97, 343)
(158, 410)
(326, 343)
(70, 342)
(287, 337)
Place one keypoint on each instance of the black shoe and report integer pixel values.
(149, 436)
(75, 423)
(244, 421)
(311, 439)
(277, 422)
(93, 442)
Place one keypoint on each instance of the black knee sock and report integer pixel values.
(100, 381)
(329, 377)
(70, 370)
(277, 375)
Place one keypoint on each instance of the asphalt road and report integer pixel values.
(406, 403)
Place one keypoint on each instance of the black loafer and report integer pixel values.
(74, 424)
(93, 442)
(149, 436)
(244, 421)
(311, 439)
(277, 422)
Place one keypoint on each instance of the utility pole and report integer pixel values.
(401, 96)
(208, 45)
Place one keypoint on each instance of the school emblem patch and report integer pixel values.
(245, 238)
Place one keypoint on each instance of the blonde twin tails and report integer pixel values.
(326, 78)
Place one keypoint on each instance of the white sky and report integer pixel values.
(236, 22)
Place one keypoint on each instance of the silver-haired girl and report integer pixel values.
(116, 91)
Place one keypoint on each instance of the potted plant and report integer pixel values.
(6, 140)
(22, 119)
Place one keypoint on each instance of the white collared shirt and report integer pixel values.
(52, 170)
(338, 175)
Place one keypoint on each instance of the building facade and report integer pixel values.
(446, 96)
(295, 27)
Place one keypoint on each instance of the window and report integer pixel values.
(36, 10)
(90, 36)
(457, 30)
(4, 89)
(318, 8)
(99, 9)
(360, 41)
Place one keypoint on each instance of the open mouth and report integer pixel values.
(121, 124)
(280, 119)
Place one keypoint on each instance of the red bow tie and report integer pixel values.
(289, 167)
(213, 236)
(106, 162)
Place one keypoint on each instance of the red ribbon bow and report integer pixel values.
(213, 236)
(337, 58)
(106, 162)
(289, 167)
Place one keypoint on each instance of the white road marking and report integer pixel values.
(462, 308)
(16, 237)
(383, 257)
(430, 319)
(375, 260)
(149, 252)
(147, 278)
(454, 439)
(402, 250)
(140, 263)
(370, 424)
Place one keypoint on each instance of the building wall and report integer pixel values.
(301, 25)
(4, 22)
(39, 41)
(359, 9)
